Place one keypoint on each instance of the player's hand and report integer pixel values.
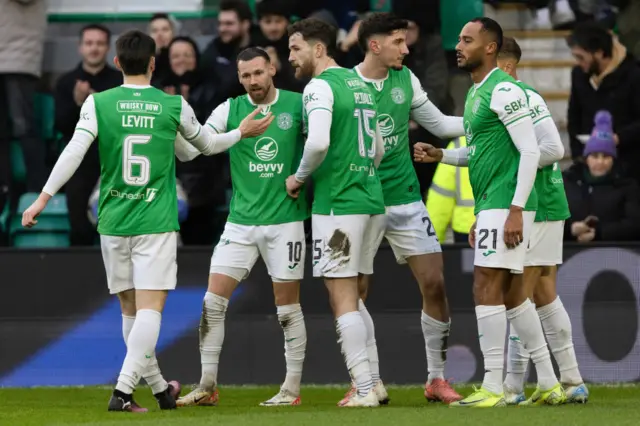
(293, 186)
(249, 127)
(587, 236)
(513, 234)
(579, 228)
(472, 235)
(29, 216)
(425, 153)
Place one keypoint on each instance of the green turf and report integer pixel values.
(238, 406)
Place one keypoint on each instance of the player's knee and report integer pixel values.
(487, 289)
(128, 302)
(363, 286)
(432, 284)
(286, 292)
(224, 282)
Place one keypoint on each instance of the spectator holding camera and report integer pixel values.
(604, 206)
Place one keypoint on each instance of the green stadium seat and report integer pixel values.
(31, 239)
(57, 206)
(52, 229)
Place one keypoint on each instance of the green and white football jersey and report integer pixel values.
(137, 127)
(346, 183)
(552, 200)
(261, 165)
(396, 96)
(491, 107)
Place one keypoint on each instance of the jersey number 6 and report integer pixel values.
(129, 160)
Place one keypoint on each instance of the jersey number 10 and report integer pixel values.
(129, 160)
(364, 117)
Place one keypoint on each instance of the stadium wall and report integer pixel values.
(59, 326)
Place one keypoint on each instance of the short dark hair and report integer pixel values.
(315, 29)
(510, 49)
(377, 24)
(591, 37)
(97, 27)
(157, 16)
(492, 27)
(240, 7)
(134, 50)
(251, 53)
(273, 7)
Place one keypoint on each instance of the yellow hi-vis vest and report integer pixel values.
(450, 198)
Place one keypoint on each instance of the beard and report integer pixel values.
(260, 95)
(305, 70)
(470, 66)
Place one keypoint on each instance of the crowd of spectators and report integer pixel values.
(606, 78)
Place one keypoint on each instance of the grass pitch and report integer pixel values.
(239, 406)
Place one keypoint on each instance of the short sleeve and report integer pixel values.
(510, 103)
(538, 108)
(317, 95)
(88, 121)
(419, 95)
(219, 117)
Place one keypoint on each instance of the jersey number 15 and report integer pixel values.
(364, 117)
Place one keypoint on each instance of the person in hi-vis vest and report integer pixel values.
(450, 199)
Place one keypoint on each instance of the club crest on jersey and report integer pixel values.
(266, 148)
(285, 121)
(397, 95)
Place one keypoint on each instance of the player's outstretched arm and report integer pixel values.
(547, 135)
(427, 153)
(426, 114)
(208, 142)
(68, 162)
(318, 105)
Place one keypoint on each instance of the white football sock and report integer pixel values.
(557, 329)
(517, 362)
(435, 335)
(492, 330)
(211, 330)
(152, 374)
(372, 347)
(526, 323)
(141, 346)
(352, 336)
(295, 344)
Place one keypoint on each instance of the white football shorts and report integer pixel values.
(141, 262)
(490, 250)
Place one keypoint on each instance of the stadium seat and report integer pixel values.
(56, 207)
(52, 229)
(40, 239)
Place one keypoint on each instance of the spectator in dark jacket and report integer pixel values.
(90, 76)
(219, 57)
(606, 78)
(273, 18)
(162, 28)
(204, 178)
(604, 206)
